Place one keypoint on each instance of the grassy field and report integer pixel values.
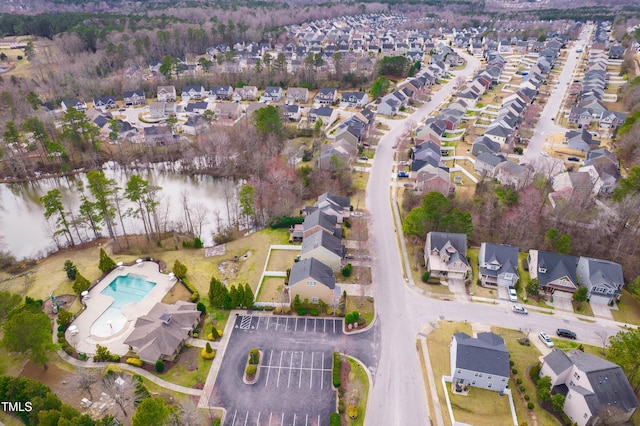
(271, 290)
(482, 407)
(438, 343)
(477, 289)
(281, 260)
(523, 358)
(190, 369)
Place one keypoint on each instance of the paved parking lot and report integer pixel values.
(294, 383)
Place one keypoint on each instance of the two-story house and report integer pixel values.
(498, 265)
(596, 391)
(602, 278)
(445, 255)
(481, 362)
(554, 272)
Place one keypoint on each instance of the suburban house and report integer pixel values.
(498, 134)
(581, 140)
(246, 93)
(445, 255)
(193, 92)
(389, 106)
(161, 333)
(326, 114)
(195, 125)
(133, 97)
(325, 247)
(354, 99)
(434, 179)
(297, 95)
(512, 174)
(341, 153)
(223, 92)
(312, 280)
(334, 205)
(486, 163)
(484, 144)
(227, 110)
(197, 107)
(158, 135)
(602, 278)
(77, 104)
(498, 265)
(271, 94)
(554, 272)
(104, 103)
(291, 112)
(481, 362)
(573, 184)
(320, 221)
(166, 94)
(596, 391)
(326, 96)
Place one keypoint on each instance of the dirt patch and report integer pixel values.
(62, 301)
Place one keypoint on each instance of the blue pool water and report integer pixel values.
(124, 289)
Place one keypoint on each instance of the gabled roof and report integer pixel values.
(334, 200)
(312, 268)
(455, 245)
(602, 273)
(504, 256)
(558, 361)
(484, 354)
(323, 239)
(155, 338)
(319, 218)
(489, 158)
(557, 266)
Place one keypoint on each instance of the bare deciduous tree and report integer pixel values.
(85, 379)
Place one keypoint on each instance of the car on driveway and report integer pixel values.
(403, 174)
(563, 332)
(544, 337)
(520, 310)
(513, 295)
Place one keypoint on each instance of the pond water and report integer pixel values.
(24, 231)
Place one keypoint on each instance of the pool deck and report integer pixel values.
(97, 303)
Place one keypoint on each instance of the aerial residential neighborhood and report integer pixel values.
(286, 213)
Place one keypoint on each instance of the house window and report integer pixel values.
(504, 379)
(459, 371)
(585, 415)
(311, 283)
(490, 384)
(314, 300)
(473, 383)
(480, 375)
(476, 374)
(576, 376)
(489, 376)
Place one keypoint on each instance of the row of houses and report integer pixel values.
(445, 256)
(596, 391)
(349, 137)
(312, 277)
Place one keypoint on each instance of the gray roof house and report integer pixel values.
(133, 97)
(271, 94)
(445, 255)
(161, 333)
(498, 265)
(334, 205)
(603, 278)
(596, 391)
(484, 144)
(581, 140)
(325, 247)
(554, 272)
(486, 163)
(320, 221)
(312, 280)
(482, 362)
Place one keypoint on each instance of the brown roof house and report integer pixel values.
(161, 333)
(312, 280)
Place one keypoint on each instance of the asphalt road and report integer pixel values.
(546, 126)
(398, 394)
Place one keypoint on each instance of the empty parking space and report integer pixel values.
(270, 418)
(296, 369)
(283, 324)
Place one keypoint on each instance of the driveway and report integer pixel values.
(600, 307)
(562, 300)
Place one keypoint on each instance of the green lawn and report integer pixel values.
(583, 309)
(476, 288)
(628, 309)
(481, 407)
(523, 358)
(364, 305)
(190, 369)
(438, 343)
(359, 381)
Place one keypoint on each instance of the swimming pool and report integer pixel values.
(124, 289)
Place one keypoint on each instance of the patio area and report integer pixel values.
(112, 332)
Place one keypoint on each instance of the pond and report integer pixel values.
(25, 233)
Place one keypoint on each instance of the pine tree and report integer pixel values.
(233, 293)
(217, 293)
(240, 289)
(106, 263)
(248, 296)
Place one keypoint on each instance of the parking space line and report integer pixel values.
(311, 372)
(234, 417)
(324, 330)
(294, 419)
(258, 324)
(258, 421)
(306, 419)
(296, 328)
(282, 420)
(290, 364)
(334, 326)
(279, 370)
(318, 418)
(287, 326)
(315, 323)
(270, 415)
(277, 323)
(301, 363)
(266, 383)
(305, 325)
(321, 376)
(246, 418)
(268, 322)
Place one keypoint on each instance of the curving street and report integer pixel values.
(398, 395)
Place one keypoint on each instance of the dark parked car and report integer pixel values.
(563, 332)
(573, 159)
(403, 174)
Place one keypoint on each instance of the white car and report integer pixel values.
(519, 309)
(513, 296)
(544, 337)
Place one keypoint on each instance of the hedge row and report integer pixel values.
(337, 362)
(195, 295)
(136, 362)
(285, 221)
